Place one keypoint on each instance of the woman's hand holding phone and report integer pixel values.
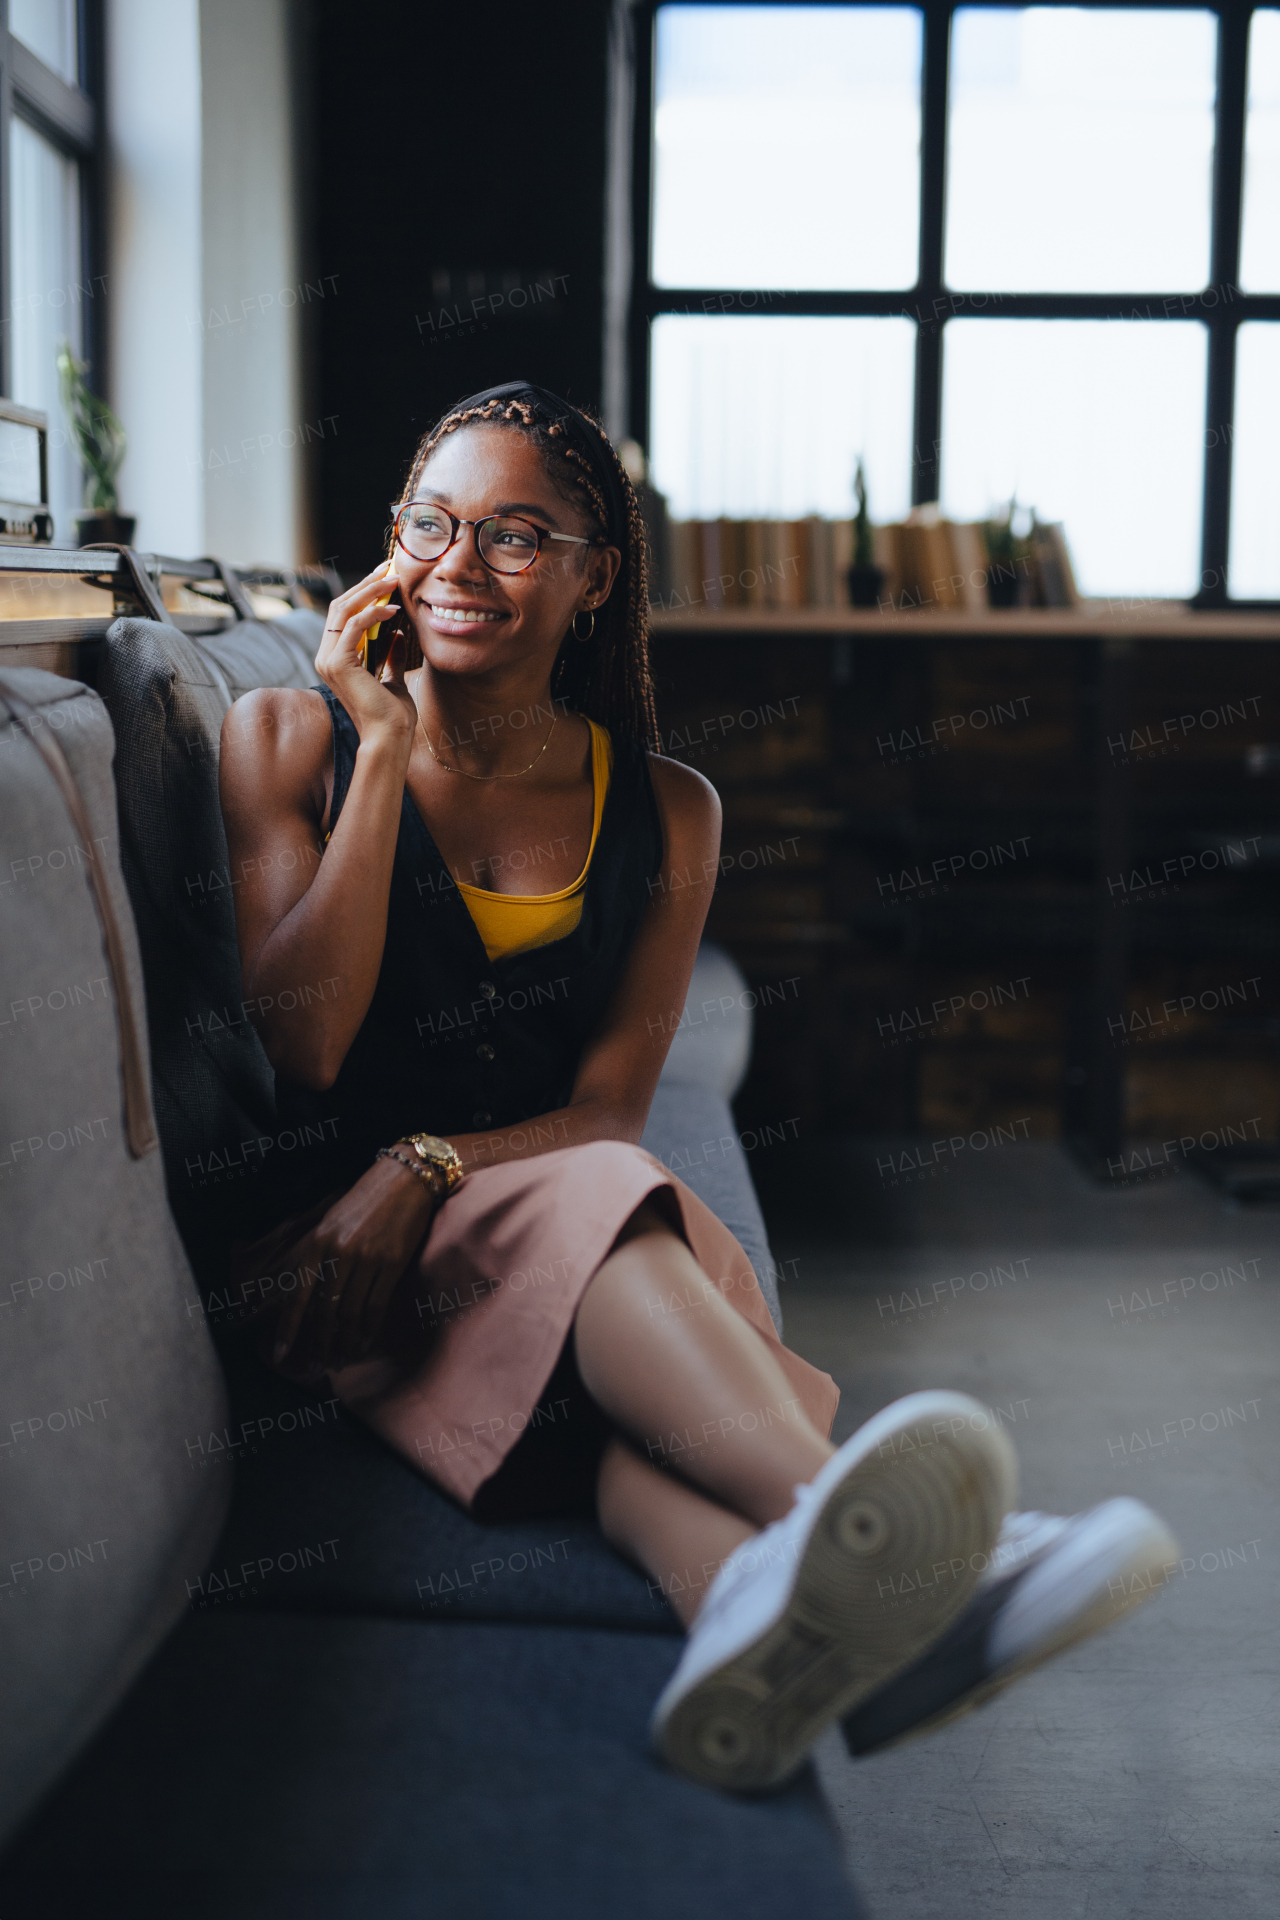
(380, 704)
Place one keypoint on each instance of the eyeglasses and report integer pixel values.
(506, 543)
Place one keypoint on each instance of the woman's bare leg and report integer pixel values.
(675, 1533)
(692, 1384)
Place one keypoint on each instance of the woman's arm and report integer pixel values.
(619, 1070)
(311, 920)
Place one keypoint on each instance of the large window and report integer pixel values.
(764, 418)
(992, 250)
(51, 284)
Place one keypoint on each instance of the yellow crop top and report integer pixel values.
(512, 922)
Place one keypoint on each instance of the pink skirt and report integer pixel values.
(479, 1332)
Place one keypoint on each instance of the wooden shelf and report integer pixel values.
(808, 719)
(1119, 620)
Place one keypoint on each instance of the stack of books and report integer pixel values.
(758, 563)
(929, 564)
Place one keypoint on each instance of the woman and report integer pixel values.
(503, 887)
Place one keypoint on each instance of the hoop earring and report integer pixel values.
(573, 625)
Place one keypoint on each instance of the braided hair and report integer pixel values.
(607, 677)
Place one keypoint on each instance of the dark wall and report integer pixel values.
(455, 192)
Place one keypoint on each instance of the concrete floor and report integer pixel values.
(1136, 1775)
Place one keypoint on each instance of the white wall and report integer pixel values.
(251, 284)
(203, 275)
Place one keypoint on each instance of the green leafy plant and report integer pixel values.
(1004, 546)
(864, 551)
(99, 436)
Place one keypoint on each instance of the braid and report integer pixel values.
(607, 678)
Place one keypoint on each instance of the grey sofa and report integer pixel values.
(261, 1667)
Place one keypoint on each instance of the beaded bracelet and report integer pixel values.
(426, 1174)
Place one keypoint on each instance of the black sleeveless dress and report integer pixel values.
(474, 1382)
(454, 1042)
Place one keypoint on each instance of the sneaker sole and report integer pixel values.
(1149, 1555)
(920, 1502)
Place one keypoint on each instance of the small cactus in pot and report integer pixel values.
(866, 579)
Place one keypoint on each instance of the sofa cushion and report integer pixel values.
(104, 1360)
(326, 1519)
(265, 653)
(214, 1089)
(711, 1041)
(277, 1768)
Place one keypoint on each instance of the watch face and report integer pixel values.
(437, 1153)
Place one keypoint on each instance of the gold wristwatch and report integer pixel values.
(440, 1156)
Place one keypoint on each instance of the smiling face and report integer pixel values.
(469, 619)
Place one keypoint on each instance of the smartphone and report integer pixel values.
(377, 641)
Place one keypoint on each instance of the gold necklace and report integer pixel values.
(484, 776)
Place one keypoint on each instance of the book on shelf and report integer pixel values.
(1055, 580)
(969, 552)
(757, 563)
(929, 564)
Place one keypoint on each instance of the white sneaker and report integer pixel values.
(808, 1617)
(1051, 1582)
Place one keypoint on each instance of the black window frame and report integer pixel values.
(71, 118)
(931, 303)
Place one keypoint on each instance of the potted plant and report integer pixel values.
(1007, 570)
(866, 579)
(100, 441)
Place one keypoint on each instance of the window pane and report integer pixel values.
(1255, 476)
(1080, 152)
(764, 418)
(48, 27)
(47, 290)
(1260, 240)
(1096, 423)
(786, 147)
